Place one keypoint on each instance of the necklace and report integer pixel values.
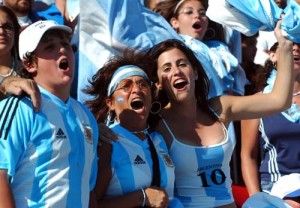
(8, 74)
(142, 131)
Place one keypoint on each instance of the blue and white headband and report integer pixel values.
(123, 73)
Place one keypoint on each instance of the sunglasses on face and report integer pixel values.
(190, 11)
(127, 85)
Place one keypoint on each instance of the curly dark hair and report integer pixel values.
(101, 80)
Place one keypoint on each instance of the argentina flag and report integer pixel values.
(107, 27)
(250, 16)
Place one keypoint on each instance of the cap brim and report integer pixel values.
(24, 47)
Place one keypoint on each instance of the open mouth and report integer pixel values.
(180, 84)
(64, 64)
(137, 104)
(197, 25)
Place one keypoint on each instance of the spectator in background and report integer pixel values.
(276, 137)
(253, 71)
(26, 13)
(266, 40)
(10, 63)
(9, 37)
(47, 158)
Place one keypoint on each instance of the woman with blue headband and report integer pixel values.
(135, 170)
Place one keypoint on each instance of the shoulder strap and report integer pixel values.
(155, 168)
(168, 128)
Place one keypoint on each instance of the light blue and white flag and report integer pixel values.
(291, 21)
(250, 16)
(246, 16)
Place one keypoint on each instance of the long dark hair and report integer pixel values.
(16, 31)
(201, 84)
(258, 76)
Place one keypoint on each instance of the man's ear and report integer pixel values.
(174, 23)
(31, 67)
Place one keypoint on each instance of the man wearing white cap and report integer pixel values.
(47, 158)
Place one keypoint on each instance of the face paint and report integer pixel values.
(120, 99)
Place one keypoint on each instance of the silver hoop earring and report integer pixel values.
(155, 107)
(108, 119)
(210, 33)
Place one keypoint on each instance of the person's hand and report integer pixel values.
(156, 197)
(279, 36)
(18, 85)
(106, 134)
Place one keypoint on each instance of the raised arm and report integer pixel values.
(249, 155)
(259, 105)
(7, 200)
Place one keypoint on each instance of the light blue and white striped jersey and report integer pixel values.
(202, 173)
(49, 155)
(132, 164)
(280, 147)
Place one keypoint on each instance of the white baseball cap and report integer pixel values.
(30, 37)
(287, 186)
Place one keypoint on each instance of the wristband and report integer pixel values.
(144, 197)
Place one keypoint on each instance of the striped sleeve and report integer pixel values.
(8, 109)
(13, 132)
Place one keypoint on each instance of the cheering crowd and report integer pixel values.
(126, 103)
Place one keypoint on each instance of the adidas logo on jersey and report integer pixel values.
(60, 134)
(138, 160)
